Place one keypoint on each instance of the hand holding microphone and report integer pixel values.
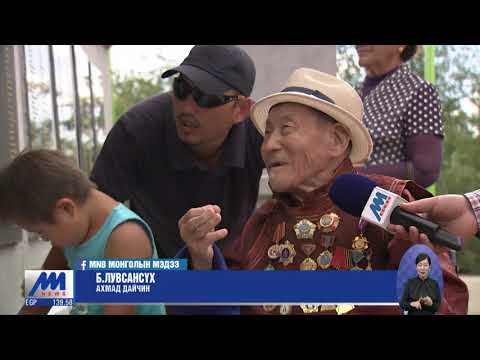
(452, 212)
(362, 197)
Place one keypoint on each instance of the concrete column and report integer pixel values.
(275, 63)
(99, 56)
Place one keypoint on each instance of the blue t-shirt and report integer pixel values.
(94, 248)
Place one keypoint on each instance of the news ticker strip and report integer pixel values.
(166, 281)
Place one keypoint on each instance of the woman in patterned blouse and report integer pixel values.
(403, 115)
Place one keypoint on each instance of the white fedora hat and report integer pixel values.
(327, 94)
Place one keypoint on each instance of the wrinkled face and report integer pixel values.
(423, 268)
(66, 229)
(378, 54)
(197, 125)
(296, 146)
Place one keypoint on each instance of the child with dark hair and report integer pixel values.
(44, 193)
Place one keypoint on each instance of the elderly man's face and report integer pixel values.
(296, 147)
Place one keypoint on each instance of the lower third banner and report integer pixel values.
(141, 286)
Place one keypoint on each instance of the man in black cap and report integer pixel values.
(188, 148)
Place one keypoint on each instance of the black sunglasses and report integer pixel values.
(182, 89)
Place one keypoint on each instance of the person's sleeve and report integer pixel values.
(218, 263)
(474, 200)
(424, 113)
(116, 169)
(404, 302)
(425, 153)
(424, 133)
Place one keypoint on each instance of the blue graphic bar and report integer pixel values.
(235, 287)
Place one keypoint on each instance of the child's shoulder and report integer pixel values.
(129, 240)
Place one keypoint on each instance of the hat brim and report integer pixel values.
(205, 81)
(362, 144)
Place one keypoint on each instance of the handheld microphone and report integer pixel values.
(361, 197)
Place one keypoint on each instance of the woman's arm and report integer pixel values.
(424, 154)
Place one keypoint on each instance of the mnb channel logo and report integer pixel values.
(48, 284)
(379, 204)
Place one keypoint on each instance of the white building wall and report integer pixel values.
(275, 63)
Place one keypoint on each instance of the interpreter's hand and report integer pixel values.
(452, 212)
(197, 229)
(416, 304)
(426, 301)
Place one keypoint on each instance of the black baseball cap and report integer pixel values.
(215, 69)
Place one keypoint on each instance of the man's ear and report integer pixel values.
(242, 109)
(341, 140)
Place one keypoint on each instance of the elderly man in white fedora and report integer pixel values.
(313, 132)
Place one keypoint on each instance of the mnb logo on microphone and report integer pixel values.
(379, 203)
(49, 284)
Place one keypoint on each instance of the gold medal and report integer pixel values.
(325, 259)
(329, 222)
(287, 253)
(343, 309)
(309, 308)
(274, 252)
(269, 308)
(285, 309)
(360, 243)
(304, 229)
(308, 265)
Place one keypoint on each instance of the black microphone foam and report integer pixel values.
(350, 192)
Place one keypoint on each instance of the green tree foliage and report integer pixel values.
(129, 90)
